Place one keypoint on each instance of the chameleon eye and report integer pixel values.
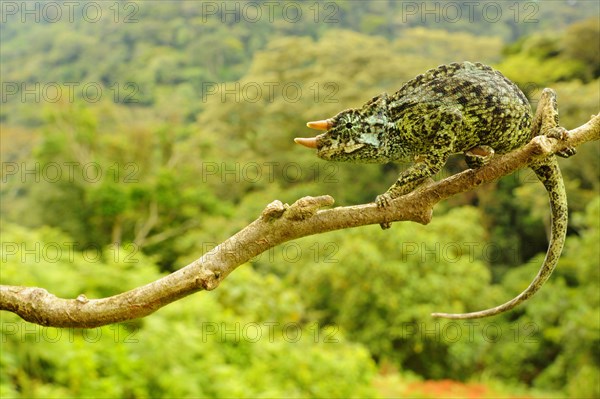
(349, 125)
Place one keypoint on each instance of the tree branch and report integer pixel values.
(277, 224)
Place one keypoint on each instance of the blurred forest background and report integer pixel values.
(137, 136)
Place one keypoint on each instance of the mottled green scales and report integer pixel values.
(466, 108)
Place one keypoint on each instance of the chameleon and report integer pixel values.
(467, 108)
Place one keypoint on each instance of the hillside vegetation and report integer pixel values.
(135, 143)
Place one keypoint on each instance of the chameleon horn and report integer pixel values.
(320, 125)
(307, 142)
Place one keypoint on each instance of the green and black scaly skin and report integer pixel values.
(466, 108)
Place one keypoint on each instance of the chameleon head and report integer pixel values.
(356, 134)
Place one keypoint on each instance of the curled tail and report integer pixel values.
(545, 122)
(549, 174)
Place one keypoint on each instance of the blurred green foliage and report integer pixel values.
(192, 137)
(226, 345)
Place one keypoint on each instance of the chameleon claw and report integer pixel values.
(383, 200)
(560, 133)
(385, 225)
(567, 152)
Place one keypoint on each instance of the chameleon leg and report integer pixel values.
(409, 180)
(545, 121)
(427, 164)
(413, 177)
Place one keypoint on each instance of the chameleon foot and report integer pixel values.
(560, 133)
(383, 201)
(478, 156)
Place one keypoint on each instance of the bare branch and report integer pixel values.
(277, 224)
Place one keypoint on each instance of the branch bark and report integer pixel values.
(277, 224)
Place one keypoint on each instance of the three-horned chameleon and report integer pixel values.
(466, 108)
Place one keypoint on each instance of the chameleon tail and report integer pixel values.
(549, 174)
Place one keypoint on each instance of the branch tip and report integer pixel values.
(273, 211)
(306, 207)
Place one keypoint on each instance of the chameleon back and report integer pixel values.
(494, 111)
